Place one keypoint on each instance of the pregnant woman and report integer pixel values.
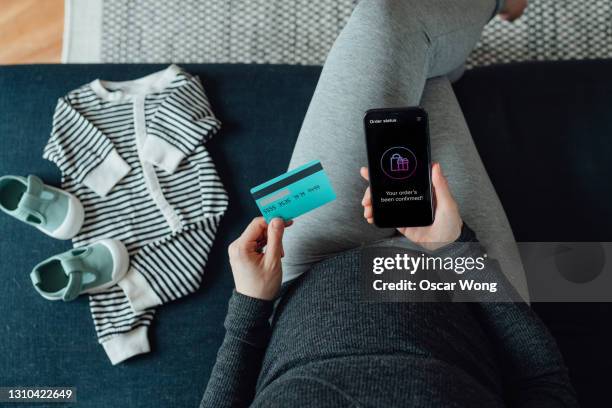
(324, 346)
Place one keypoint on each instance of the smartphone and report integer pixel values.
(399, 161)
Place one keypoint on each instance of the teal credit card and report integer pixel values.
(294, 193)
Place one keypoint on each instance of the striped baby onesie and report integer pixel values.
(133, 153)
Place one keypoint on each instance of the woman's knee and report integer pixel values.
(401, 19)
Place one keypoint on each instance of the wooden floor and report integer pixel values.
(31, 31)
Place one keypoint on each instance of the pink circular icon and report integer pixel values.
(398, 163)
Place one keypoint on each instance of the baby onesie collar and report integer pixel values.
(126, 90)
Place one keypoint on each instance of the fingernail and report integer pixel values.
(277, 223)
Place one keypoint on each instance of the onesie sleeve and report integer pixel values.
(183, 121)
(82, 151)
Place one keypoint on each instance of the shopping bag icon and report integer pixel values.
(399, 163)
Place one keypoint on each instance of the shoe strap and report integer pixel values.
(74, 268)
(35, 185)
(32, 203)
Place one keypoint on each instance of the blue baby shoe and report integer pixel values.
(88, 269)
(51, 210)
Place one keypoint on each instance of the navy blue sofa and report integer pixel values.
(544, 131)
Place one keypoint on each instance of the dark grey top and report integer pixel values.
(328, 348)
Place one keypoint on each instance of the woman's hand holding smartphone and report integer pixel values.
(447, 224)
(406, 192)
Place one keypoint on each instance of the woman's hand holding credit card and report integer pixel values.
(294, 193)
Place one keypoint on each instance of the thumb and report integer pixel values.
(444, 197)
(365, 173)
(274, 247)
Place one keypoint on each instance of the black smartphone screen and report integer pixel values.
(400, 167)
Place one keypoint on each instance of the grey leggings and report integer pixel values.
(395, 53)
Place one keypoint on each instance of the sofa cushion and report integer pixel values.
(544, 131)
